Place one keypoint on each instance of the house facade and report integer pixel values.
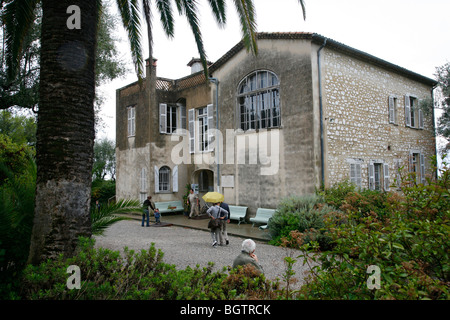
(306, 111)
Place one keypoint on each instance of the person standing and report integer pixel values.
(193, 202)
(147, 207)
(217, 213)
(225, 221)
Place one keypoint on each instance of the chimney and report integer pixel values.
(196, 65)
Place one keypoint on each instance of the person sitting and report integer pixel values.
(248, 256)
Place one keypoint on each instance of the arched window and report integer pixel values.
(164, 179)
(259, 101)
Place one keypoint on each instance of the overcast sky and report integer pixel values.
(410, 33)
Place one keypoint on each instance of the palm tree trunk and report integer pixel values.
(65, 132)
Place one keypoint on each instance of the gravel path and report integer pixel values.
(189, 247)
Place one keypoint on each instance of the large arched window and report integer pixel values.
(259, 101)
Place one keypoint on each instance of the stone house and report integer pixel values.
(306, 111)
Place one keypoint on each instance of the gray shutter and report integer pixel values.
(156, 179)
(371, 176)
(163, 118)
(422, 168)
(144, 180)
(386, 177)
(420, 118)
(210, 132)
(182, 124)
(391, 110)
(175, 179)
(407, 111)
(191, 119)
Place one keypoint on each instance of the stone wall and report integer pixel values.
(356, 118)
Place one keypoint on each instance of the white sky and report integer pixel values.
(410, 33)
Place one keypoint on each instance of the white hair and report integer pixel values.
(248, 245)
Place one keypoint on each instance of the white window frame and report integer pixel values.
(418, 165)
(131, 120)
(258, 101)
(168, 181)
(413, 113)
(166, 114)
(379, 176)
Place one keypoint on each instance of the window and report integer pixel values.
(163, 178)
(413, 114)
(417, 166)
(393, 109)
(171, 117)
(200, 121)
(379, 176)
(259, 101)
(131, 111)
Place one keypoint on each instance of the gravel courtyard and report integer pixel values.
(188, 247)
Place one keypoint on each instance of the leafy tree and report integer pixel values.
(65, 133)
(20, 128)
(443, 77)
(104, 160)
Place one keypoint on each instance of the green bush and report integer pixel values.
(107, 275)
(406, 237)
(305, 214)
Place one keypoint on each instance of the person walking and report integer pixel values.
(224, 223)
(217, 214)
(193, 202)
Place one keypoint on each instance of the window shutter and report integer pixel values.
(371, 176)
(144, 180)
(391, 110)
(355, 174)
(407, 111)
(175, 179)
(422, 168)
(191, 119)
(162, 118)
(182, 124)
(210, 132)
(386, 177)
(420, 119)
(156, 179)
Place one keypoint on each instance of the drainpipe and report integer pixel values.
(216, 81)
(322, 164)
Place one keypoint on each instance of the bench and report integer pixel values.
(262, 216)
(170, 206)
(238, 213)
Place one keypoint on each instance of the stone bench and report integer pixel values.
(262, 216)
(238, 213)
(170, 206)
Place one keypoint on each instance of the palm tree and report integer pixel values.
(65, 132)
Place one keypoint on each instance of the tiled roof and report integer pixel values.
(199, 78)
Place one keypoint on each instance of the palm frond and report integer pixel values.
(166, 15)
(190, 10)
(247, 17)
(218, 8)
(107, 215)
(129, 12)
(18, 18)
(302, 3)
